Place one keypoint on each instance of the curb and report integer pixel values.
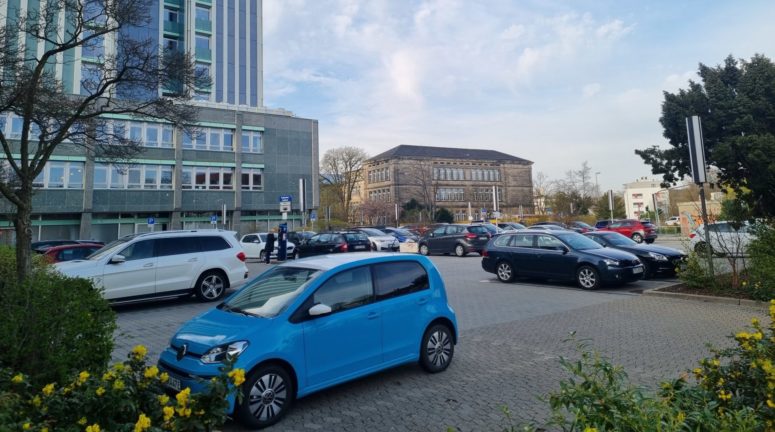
(656, 292)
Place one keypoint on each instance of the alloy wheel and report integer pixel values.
(211, 287)
(438, 348)
(587, 278)
(267, 397)
(504, 272)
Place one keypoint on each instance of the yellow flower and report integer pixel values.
(182, 396)
(758, 336)
(26, 426)
(715, 362)
(119, 367)
(82, 421)
(139, 352)
(48, 389)
(19, 378)
(36, 401)
(697, 373)
(168, 413)
(100, 391)
(237, 376)
(724, 395)
(118, 385)
(755, 322)
(82, 377)
(143, 423)
(770, 403)
(163, 399)
(680, 417)
(164, 377)
(590, 429)
(151, 372)
(107, 376)
(44, 429)
(93, 428)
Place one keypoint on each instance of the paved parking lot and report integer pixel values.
(511, 337)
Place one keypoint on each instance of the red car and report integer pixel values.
(70, 252)
(639, 231)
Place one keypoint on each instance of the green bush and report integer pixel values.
(129, 396)
(694, 274)
(52, 325)
(761, 251)
(733, 390)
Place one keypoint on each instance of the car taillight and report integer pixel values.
(692, 235)
(484, 253)
(241, 256)
(343, 247)
(470, 235)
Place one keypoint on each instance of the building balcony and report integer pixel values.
(173, 28)
(204, 26)
(176, 3)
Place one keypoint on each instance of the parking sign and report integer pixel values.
(213, 219)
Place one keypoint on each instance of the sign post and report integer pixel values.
(697, 163)
(611, 203)
(285, 205)
(313, 216)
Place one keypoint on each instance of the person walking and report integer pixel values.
(269, 247)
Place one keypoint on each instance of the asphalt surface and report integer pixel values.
(511, 337)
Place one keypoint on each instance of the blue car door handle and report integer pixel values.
(422, 300)
(373, 315)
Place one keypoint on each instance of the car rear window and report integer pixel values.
(213, 243)
(399, 278)
(478, 229)
(356, 237)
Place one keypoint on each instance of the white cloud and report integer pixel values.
(613, 29)
(591, 90)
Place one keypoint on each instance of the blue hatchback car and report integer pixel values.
(310, 324)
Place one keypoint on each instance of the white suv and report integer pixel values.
(164, 264)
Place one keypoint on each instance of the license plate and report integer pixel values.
(482, 238)
(637, 270)
(173, 383)
(360, 247)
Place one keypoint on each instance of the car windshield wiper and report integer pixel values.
(225, 307)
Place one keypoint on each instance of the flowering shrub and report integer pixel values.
(130, 396)
(732, 390)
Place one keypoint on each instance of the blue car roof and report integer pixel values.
(327, 262)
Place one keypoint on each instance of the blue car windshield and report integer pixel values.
(271, 293)
(579, 242)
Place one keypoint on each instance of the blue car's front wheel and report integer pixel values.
(437, 348)
(268, 394)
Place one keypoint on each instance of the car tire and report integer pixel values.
(648, 270)
(210, 286)
(649, 241)
(504, 271)
(262, 256)
(587, 277)
(637, 238)
(460, 251)
(437, 348)
(268, 395)
(424, 250)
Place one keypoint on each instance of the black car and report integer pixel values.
(333, 242)
(298, 237)
(581, 227)
(511, 226)
(655, 259)
(458, 239)
(548, 227)
(561, 255)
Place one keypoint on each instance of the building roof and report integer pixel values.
(412, 151)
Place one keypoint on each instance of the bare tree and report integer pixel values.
(342, 169)
(419, 174)
(541, 189)
(132, 76)
(377, 212)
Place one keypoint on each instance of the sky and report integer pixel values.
(554, 82)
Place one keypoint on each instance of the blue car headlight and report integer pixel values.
(611, 262)
(222, 352)
(658, 257)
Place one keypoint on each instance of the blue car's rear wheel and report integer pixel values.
(268, 394)
(437, 348)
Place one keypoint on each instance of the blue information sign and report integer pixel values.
(313, 215)
(151, 221)
(286, 198)
(213, 219)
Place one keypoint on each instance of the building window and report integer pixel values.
(91, 75)
(202, 43)
(202, 14)
(252, 179)
(132, 177)
(142, 133)
(252, 142)
(171, 15)
(56, 175)
(171, 44)
(213, 139)
(207, 178)
(94, 48)
(449, 194)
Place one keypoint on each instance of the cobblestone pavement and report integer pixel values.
(511, 338)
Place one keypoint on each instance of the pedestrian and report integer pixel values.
(269, 247)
